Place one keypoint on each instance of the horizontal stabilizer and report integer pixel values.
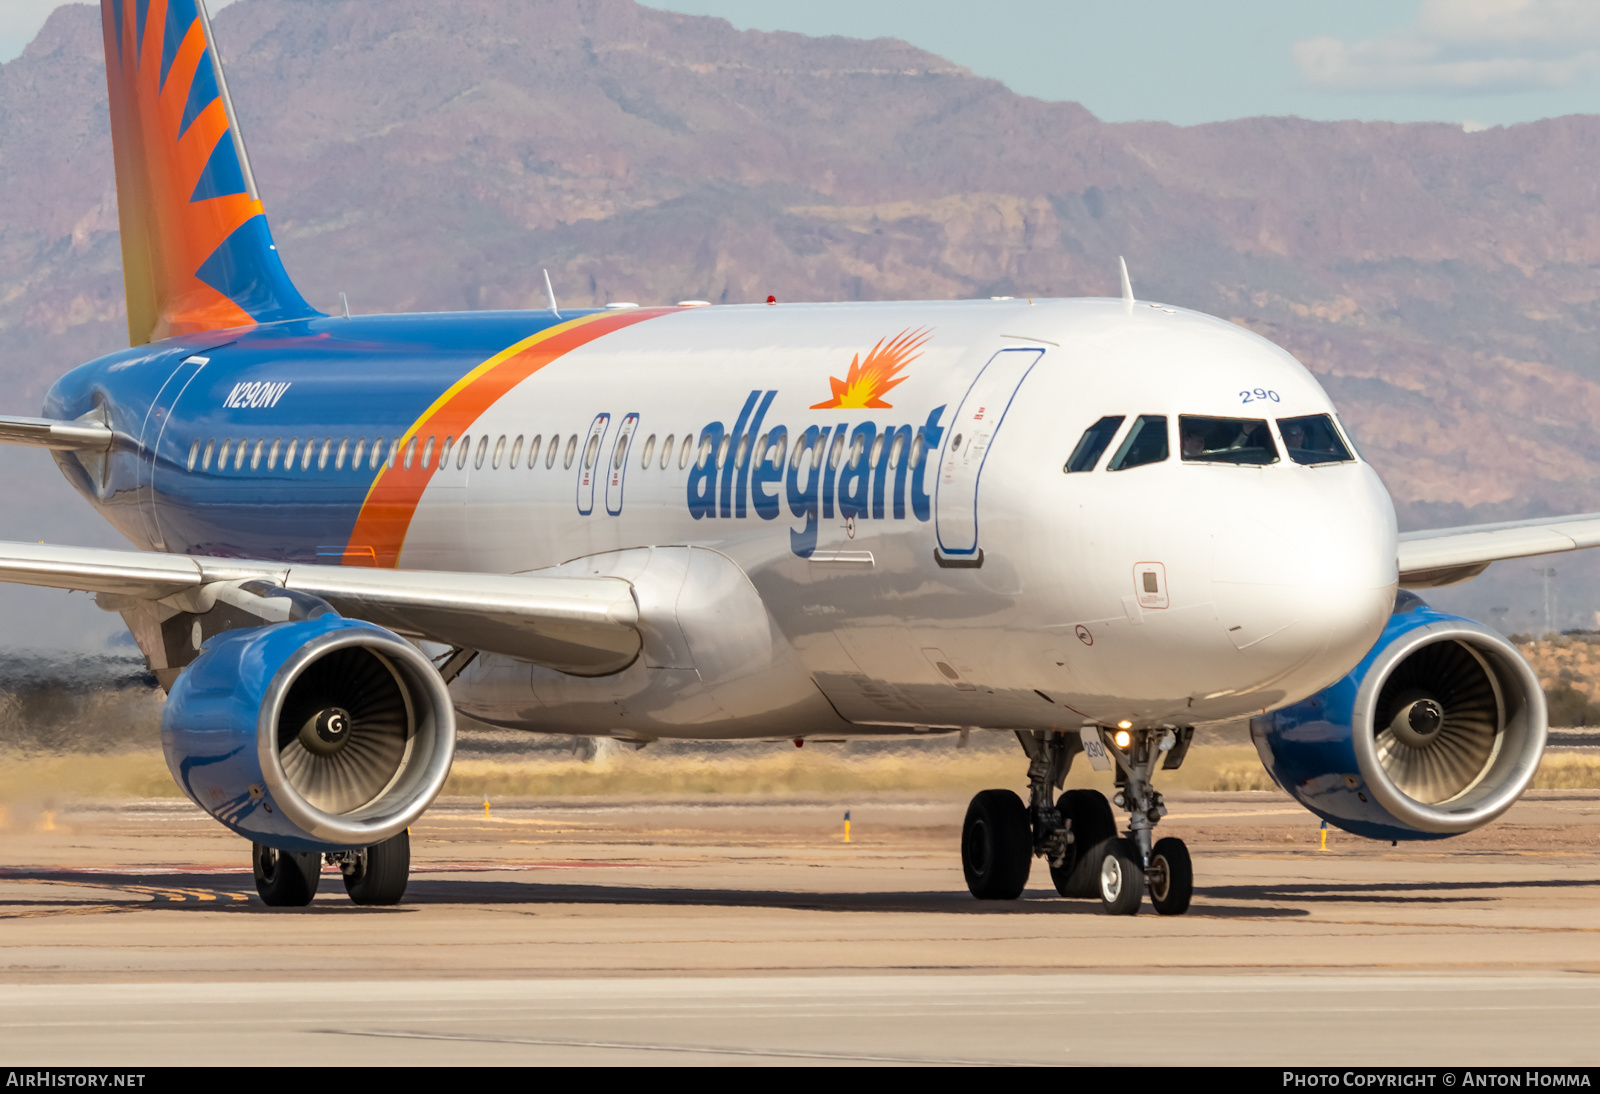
(85, 436)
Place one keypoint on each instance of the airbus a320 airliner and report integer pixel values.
(1096, 523)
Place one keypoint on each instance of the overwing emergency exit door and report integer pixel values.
(969, 437)
(617, 473)
(591, 464)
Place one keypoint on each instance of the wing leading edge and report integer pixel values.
(585, 625)
(1446, 556)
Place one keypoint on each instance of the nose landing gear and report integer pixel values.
(1077, 833)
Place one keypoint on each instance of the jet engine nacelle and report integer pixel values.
(1436, 732)
(316, 735)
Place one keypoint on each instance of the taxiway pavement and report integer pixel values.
(747, 931)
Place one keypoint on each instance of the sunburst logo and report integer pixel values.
(869, 380)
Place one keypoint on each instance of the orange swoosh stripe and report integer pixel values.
(386, 515)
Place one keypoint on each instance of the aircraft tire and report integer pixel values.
(1092, 825)
(380, 876)
(1121, 878)
(996, 845)
(285, 879)
(1172, 871)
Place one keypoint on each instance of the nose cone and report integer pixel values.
(1303, 586)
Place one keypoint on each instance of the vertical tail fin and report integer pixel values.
(196, 251)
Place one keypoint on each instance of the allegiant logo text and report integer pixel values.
(864, 471)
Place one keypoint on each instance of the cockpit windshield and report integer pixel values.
(1146, 443)
(1313, 439)
(1093, 444)
(1226, 440)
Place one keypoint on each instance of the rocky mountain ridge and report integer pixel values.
(1444, 285)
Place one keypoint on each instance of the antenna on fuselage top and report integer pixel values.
(1127, 286)
(550, 295)
(344, 302)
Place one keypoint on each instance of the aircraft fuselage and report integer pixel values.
(887, 548)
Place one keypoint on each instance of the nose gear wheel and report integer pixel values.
(1428, 760)
(344, 730)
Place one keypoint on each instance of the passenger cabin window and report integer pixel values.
(1310, 440)
(555, 448)
(570, 454)
(649, 455)
(688, 448)
(516, 453)
(1240, 441)
(533, 451)
(194, 454)
(1146, 442)
(1092, 445)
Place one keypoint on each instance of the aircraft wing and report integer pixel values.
(1447, 555)
(582, 624)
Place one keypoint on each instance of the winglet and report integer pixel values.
(1127, 286)
(550, 295)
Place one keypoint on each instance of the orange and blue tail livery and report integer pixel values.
(196, 251)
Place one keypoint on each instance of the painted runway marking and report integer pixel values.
(639, 1046)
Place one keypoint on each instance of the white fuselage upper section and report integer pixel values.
(926, 562)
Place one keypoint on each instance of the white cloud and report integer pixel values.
(1464, 47)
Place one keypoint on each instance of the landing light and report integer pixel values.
(1122, 738)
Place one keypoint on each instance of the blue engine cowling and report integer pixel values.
(1436, 732)
(322, 734)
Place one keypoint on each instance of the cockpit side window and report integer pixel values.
(1313, 439)
(1092, 445)
(1146, 442)
(1245, 441)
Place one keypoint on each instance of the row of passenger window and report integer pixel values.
(359, 453)
(1310, 439)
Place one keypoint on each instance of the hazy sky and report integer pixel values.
(1489, 62)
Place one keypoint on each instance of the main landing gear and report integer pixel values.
(372, 875)
(1076, 834)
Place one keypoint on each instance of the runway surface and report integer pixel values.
(748, 932)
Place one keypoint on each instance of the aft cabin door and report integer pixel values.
(968, 440)
(161, 456)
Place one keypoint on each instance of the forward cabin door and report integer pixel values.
(969, 438)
